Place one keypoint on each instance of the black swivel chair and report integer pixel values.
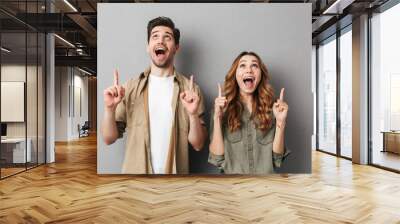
(84, 130)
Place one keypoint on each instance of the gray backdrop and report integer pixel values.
(212, 35)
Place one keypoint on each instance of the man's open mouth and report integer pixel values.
(160, 51)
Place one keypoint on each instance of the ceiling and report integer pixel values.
(76, 22)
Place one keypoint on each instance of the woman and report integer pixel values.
(247, 125)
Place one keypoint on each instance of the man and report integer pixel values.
(159, 125)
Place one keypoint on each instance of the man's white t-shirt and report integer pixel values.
(160, 116)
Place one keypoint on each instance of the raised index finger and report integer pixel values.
(219, 90)
(282, 94)
(116, 77)
(191, 83)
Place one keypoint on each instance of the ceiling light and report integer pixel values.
(84, 71)
(5, 50)
(331, 7)
(338, 6)
(70, 5)
(64, 40)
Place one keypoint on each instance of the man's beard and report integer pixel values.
(164, 64)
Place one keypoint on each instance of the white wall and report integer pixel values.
(67, 116)
(79, 118)
(61, 103)
(17, 73)
(33, 126)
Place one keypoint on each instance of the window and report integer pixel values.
(327, 96)
(346, 93)
(385, 88)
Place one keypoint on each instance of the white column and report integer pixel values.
(50, 108)
(360, 90)
(50, 92)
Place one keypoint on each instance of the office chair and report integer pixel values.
(84, 130)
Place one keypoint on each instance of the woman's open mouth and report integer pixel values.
(249, 82)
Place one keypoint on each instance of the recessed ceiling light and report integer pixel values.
(5, 50)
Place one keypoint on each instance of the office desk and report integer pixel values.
(15, 148)
(391, 141)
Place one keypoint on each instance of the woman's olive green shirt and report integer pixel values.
(248, 150)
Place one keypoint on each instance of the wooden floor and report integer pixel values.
(5, 172)
(387, 159)
(70, 191)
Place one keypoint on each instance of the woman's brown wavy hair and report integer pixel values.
(262, 102)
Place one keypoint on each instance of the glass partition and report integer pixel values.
(22, 77)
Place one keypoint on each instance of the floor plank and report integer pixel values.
(70, 191)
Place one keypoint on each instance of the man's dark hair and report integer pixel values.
(163, 21)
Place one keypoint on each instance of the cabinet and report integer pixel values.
(391, 141)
